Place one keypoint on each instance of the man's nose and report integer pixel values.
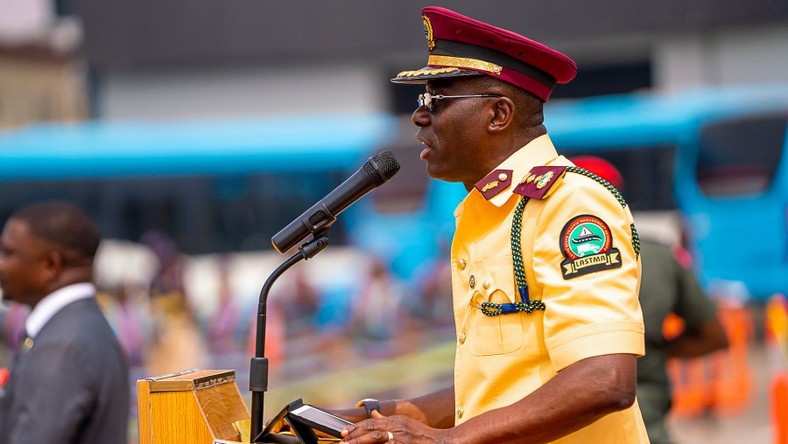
(420, 117)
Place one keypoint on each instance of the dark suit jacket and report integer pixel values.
(72, 386)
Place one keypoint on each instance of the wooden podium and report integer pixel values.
(192, 406)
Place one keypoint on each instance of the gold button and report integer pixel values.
(461, 338)
(486, 284)
(461, 264)
(502, 177)
(460, 412)
(472, 281)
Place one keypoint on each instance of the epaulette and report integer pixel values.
(494, 183)
(540, 181)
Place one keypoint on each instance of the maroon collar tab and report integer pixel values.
(539, 181)
(494, 183)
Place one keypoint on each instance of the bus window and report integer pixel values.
(647, 172)
(204, 214)
(740, 157)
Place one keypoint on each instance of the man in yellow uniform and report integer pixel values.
(545, 266)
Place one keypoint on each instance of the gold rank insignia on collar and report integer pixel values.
(494, 183)
(540, 181)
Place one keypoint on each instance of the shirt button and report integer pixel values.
(461, 338)
(472, 281)
(461, 263)
(460, 412)
(486, 284)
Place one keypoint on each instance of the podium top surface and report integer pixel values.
(188, 380)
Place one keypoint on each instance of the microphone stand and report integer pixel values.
(258, 372)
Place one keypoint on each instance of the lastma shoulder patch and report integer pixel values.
(587, 246)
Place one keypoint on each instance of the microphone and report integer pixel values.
(374, 173)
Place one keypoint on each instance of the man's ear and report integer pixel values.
(503, 114)
(53, 265)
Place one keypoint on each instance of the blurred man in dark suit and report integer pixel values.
(69, 378)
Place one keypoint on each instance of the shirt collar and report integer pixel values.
(539, 151)
(53, 303)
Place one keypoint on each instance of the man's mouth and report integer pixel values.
(426, 148)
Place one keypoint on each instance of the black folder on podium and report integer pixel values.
(303, 420)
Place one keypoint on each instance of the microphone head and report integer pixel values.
(382, 165)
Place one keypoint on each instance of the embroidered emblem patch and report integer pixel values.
(587, 246)
(428, 32)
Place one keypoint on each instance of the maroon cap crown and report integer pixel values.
(462, 46)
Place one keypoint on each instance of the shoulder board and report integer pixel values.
(540, 181)
(494, 183)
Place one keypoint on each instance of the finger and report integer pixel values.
(377, 414)
(348, 430)
(376, 436)
(380, 435)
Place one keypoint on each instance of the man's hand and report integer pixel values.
(392, 429)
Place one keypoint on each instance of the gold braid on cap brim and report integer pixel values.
(422, 72)
(452, 64)
(464, 62)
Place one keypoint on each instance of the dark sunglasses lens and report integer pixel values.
(425, 100)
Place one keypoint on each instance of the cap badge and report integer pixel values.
(428, 32)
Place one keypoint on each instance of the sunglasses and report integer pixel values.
(428, 100)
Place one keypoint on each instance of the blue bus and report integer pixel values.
(728, 175)
(714, 156)
(214, 186)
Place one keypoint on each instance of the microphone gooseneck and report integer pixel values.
(315, 221)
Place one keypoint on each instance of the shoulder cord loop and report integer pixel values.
(525, 303)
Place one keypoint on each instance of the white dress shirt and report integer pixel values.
(54, 302)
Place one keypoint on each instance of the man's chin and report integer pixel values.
(435, 172)
(440, 175)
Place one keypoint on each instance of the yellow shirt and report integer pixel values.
(591, 304)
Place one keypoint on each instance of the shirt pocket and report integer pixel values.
(501, 334)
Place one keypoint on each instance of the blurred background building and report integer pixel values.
(198, 58)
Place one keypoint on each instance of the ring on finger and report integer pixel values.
(390, 437)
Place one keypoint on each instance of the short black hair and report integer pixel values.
(63, 224)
